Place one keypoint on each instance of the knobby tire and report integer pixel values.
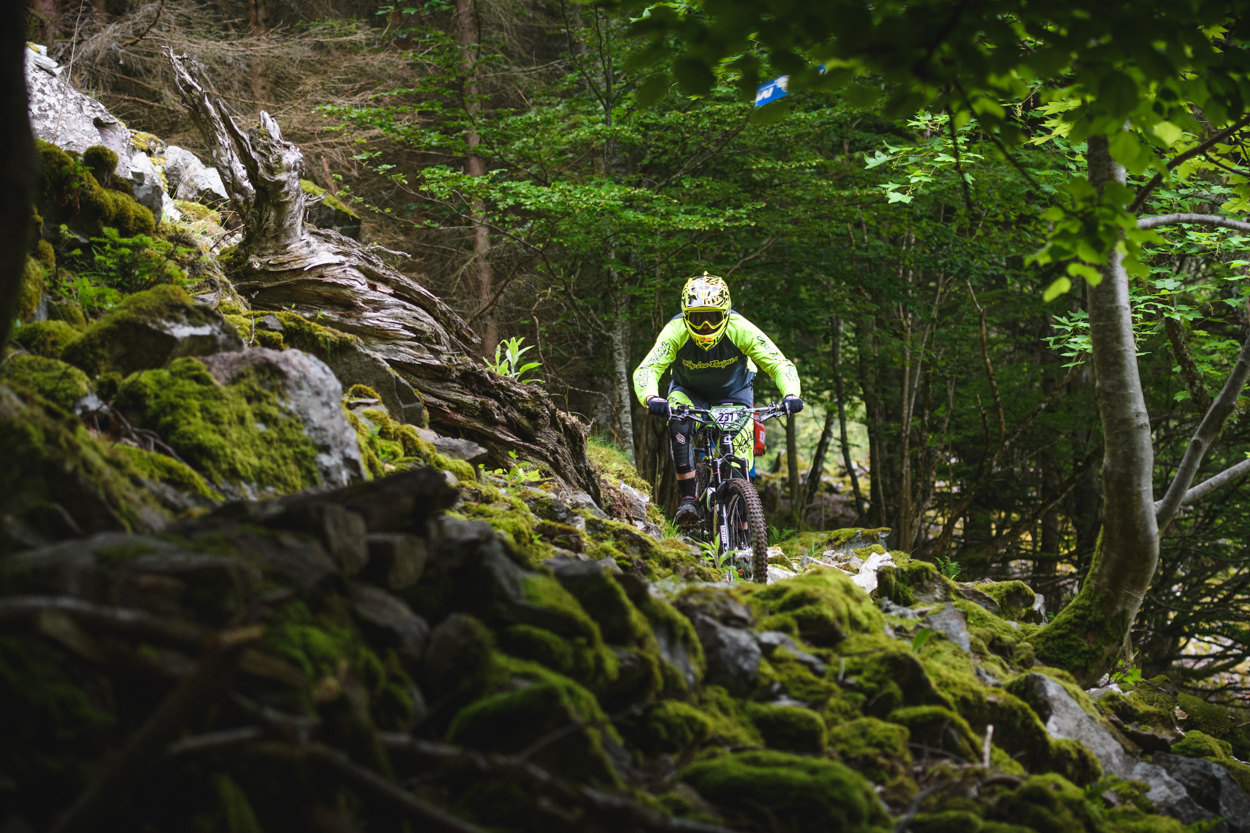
(741, 502)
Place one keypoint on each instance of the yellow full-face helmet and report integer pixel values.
(705, 309)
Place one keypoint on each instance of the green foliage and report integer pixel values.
(508, 361)
(521, 472)
(947, 567)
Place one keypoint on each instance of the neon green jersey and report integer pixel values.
(728, 366)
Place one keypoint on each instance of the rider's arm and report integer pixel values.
(647, 376)
(751, 340)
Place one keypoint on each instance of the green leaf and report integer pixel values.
(1080, 270)
(862, 96)
(1059, 287)
(771, 113)
(652, 90)
(922, 636)
(693, 76)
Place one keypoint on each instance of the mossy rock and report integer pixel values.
(1208, 718)
(51, 461)
(70, 194)
(102, 162)
(1198, 744)
(789, 728)
(33, 286)
(731, 727)
(887, 676)
(914, 582)
(46, 255)
(874, 747)
(240, 436)
(1014, 598)
(165, 469)
(54, 380)
(668, 727)
(534, 706)
(45, 338)
(822, 606)
(69, 312)
(148, 330)
(780, 791)
(938, 729)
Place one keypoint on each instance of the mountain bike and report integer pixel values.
(731, 524)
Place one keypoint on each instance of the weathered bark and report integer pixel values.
(482, 278)
(1089, 633)
(792, 468)
(281, 264)
(17, 174)
(622, 386)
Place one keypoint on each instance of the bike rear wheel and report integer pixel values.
(744, 516)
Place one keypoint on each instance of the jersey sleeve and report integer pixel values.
(751, 340)
(647, 376)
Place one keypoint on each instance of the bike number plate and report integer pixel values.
(728, 418)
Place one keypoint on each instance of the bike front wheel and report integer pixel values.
(747, 536)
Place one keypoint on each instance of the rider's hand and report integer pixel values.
(658, 406)
(792, 404)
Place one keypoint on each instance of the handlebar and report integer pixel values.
(767, 412)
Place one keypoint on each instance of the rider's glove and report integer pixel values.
(658, 406)
(792, 404)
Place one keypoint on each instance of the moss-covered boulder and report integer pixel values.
(789, 792)
(329, 212)
(822, 606)
(59, 482)
(46, 338)
(70, 194)
(59, 383)
(533, 714)
(31, 296)
(240, 436)
(149, 330)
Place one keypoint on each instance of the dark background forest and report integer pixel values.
(551, 185)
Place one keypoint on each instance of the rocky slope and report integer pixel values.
(249, 581)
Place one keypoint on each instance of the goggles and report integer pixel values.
(705, 320)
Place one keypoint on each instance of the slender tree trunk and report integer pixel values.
(622, 383)
(840, 393)
(18, 173)
(1089, 633)
(868, 364)
(482, 279)
(818, 462)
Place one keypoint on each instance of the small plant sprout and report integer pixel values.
(508, 361)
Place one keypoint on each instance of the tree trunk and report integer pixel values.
(1090, 632)
(792, 467)
(840, 392)
(867, 353)
(623, 425)
(18, 173)
(482, 278)
(47, 15)
(818, 462)
(338, 282)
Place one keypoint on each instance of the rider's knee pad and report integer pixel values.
(680, 441)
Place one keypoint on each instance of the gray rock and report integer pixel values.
(1037, 614)
(1065, 719)
(68, 119)
(716, 601)
(733, 655)
(191, 180)
(953, 624)
(313, 394)
(396, 560)
(342, 532)
(1210, 787)
(454, 448)
(979, 597)
(891, 608)
(674, 652)
(580, 500)
(179, 332)
(648, 528)
(148, 189)
(391, 621)
(858, 541)
(362, 367)
(636, 501)
(770, 641)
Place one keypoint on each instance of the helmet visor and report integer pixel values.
(705, 320)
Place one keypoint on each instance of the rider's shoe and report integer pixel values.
(687, 513)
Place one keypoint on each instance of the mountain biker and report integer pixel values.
(714, 353)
